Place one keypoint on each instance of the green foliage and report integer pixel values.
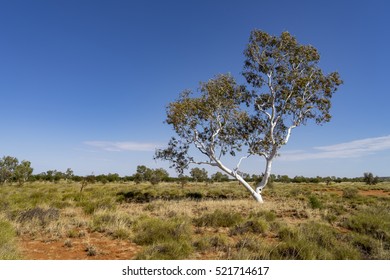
(8, 165)
(218, 218)
(257, 226)
(269, 216)
(153, 230)
(199, 175)
(369, 179)
(219, 177)
(90, 205)
(369, 247)
(350, 192)
(167, 239)
(315, 202)
(287, 90)
(7, 234)
(252, 248)
(375, 223)
(112, 222)
(166, 250)
(154, 176)
(11, 170)
(286, 228)
(312, 241)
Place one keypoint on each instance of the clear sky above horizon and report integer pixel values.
(84, 84)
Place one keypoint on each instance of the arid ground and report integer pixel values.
(56, 221)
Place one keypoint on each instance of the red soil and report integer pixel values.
(104, 248)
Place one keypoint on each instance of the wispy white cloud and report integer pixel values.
(353, 149)
(123, 146)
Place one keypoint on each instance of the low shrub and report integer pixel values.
(219, 218)
(148, 231)
(252, 248)
(44, 216)
(373, 223)
(269, 216)
(294, 249)
(8, 249)
(350, 192)
(315, 202)
(287, 233)
(168, 250)
(194, 195)
(114, 223)
(90, 206)
(313, 241)
(368, 246)
(251, 226)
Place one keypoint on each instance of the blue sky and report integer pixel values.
(84, 84)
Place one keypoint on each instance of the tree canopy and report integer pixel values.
(285, 89)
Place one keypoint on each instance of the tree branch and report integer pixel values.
(288, 134)
(239, 163)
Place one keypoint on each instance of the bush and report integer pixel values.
(154, 230)
(90, 206)
(314, 202)
(253, 226)
(168, 250)
(312, 241)
(219, 218)
(7, 248)
(350, 192)
(115, 223)
(42, 215)
(194, 195)
(369, 179)
(287, 233)
(373, 223)
(269, 216)
(368, 246)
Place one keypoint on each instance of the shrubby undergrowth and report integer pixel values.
(199, 221)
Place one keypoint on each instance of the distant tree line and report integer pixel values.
(13, 171)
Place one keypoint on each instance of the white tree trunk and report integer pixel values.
(261, 185)
(268, 167)
(257, 196)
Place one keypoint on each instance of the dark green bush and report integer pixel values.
(44, 216)
(314, 202)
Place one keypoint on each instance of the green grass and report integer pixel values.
(8, 249)
(168, 239)
(211, 221)
(152, 230)
(219, 218)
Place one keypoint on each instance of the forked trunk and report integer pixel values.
(268, 166)
(257, 196)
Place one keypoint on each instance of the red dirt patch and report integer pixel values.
(101, 248)
(374, 193)
(380, 193)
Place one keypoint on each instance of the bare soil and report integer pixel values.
(376, 193)
(93, 246)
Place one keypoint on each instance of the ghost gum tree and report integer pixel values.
(285, 89)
